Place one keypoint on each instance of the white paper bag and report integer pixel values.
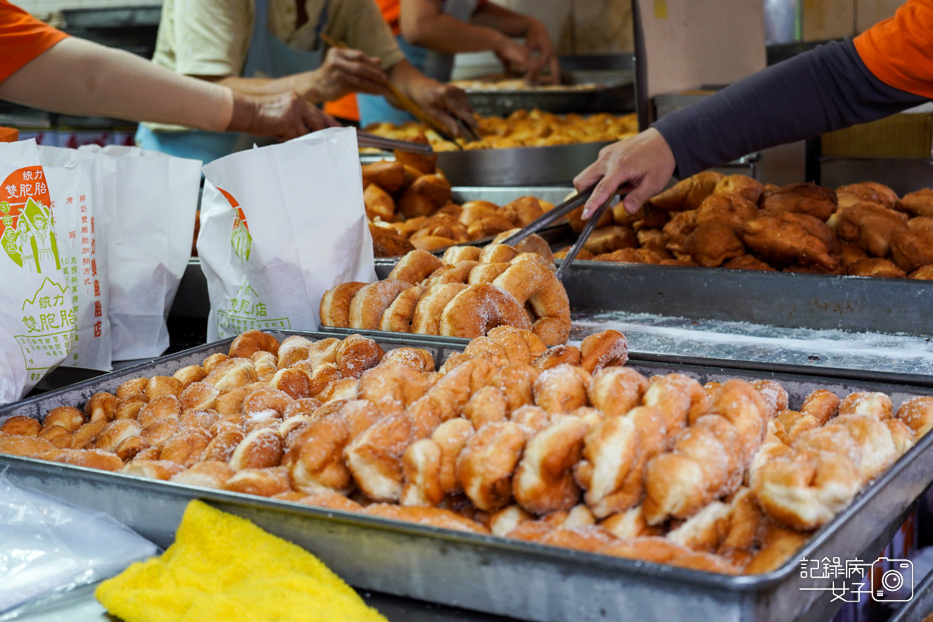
(280, 225)
(74, 187)
(150, 208)
(38, 300)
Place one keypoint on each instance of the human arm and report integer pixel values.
(819, 91)
(443, 102)
(83, 78)
(491, 27)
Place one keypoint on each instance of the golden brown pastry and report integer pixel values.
(875, 266)
(803, 198)
(713, 243)
(919, 203)
(688, 193)
(386, 174)
(731, 209)
(747, 262)
(788, 238)
(425, 196)
(742, 185)
(911, 250)
(868, 192)
(868, 226)
(378, 203)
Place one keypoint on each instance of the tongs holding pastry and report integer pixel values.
(365, 139)
(556, 214)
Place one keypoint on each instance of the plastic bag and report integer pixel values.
(38, 304)
(150, 208)
(280, 225)
(49, 546)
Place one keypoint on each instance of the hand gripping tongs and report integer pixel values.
(556, 214)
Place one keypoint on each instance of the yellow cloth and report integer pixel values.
(222, 567)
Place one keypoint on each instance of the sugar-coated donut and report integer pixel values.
(356, 354)
(533, 283)
(558, 355)
(262, 482)
(21, 426)
(104, 406)
(534, 243)
(65, 416)
(427, 316)
(604, 349)
(248, 343)
(371, 301)
(479, 308)
(415, 267)
(522, 346)
(487, 272)
(497, 253)
(451, 273)
(418, 359)
(456, 254)
(398, 315)
(335, 304)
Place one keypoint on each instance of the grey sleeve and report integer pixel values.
(825, 89)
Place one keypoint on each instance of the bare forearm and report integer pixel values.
(260, 87)
(499, 18)
(82, 78)
(449, 35)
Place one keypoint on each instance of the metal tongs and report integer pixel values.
(365, 139)
(556, 214)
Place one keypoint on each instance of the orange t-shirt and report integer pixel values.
(22, 38)
(899, 50)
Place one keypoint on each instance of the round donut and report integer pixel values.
(190, 374)
(252, 341)
(418, 359)
(451, 273)
(335, 305)
(497, 253)
(479, 308)
(104, 406)
(415, 267)
(291, 350)
(398, 315)
(135, 387)
(356, 354)
(260, 449)
(604, 349)
(522, 346)
(531, 282)
(558, 355)
(323, 351)
(209, 363)
(427, 316)
(261, 482)
(456, 254)
(294, 382)
(487, 272)
(534, 243)
(371, 301)
(21, 426)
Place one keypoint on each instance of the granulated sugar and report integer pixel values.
(742, 341)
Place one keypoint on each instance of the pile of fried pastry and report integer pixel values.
(409, 206)
(561, 446)
(523, 128)
(465, 293)
(712, 220)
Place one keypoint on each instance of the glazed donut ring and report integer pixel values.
(252, 341)
(427, 317)
(371, 301)
(452, 273)
(456, 254)
(531, 282)
(335, 305)
(497, 253)
(398, 315)
(415, 267)
(608, 348)
(487, 272)
(479, 308)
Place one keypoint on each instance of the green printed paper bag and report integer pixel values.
(38, 297)
(280, 225)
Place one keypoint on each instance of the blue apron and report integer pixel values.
(375, 108)
(267, 57)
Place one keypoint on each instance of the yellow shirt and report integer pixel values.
(212, 37)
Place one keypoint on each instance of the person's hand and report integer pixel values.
(538, 43)
(515, 57)
(443, 102)
(284, 116)
(640, 166)
(346, 71)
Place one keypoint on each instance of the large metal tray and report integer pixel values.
(612, 91)
(496, 575)
(518, 166)
(920, 606)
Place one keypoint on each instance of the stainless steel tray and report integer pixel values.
(518, 166)
(613, 91)
(920, 606)
(495, 575)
